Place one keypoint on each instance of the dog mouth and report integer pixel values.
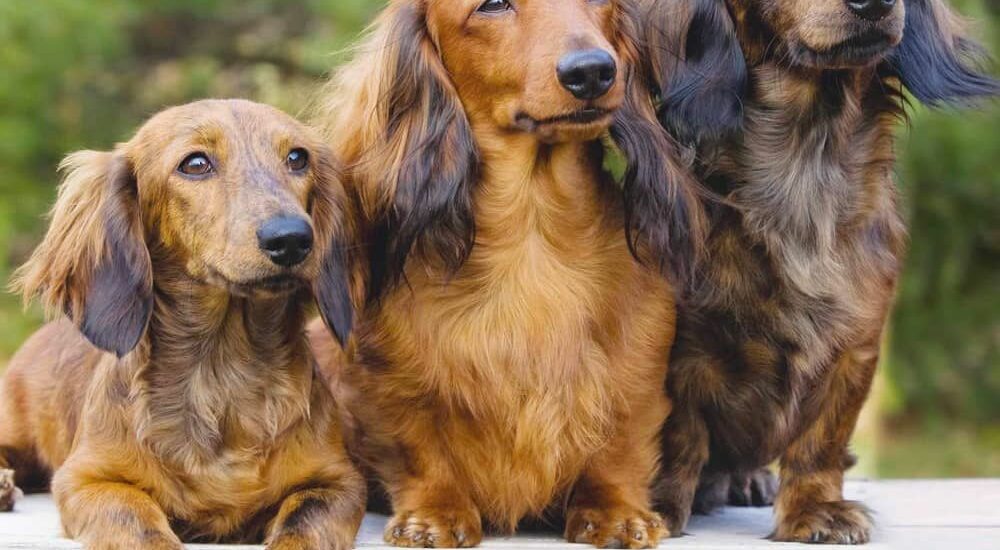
(580, 118)
(276, 284)
(862, 49)
(283, 283)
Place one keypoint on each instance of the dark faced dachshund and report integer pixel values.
(789, 108)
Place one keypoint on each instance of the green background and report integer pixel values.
(84, 74)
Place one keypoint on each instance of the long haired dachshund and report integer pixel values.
(179, 399)
(511, 356)
(789, 107)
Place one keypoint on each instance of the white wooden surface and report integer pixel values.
(959, 515)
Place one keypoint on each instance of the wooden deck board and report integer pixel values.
(955, 514)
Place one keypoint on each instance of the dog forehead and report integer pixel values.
(220, 126)
(215, 121)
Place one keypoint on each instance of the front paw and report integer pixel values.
(615, 527)
(435, 528)
(675, 517)
(298, 541)
(841, 522)
(151, 540)
(9, 493)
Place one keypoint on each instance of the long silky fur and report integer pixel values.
(932, 61)
(422, 199)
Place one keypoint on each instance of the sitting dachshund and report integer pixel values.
(790, 108)
(512, 352)
(177, 399)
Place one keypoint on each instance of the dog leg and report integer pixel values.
(609, 505)
(327, 517)
(434, 514)
(810, 505)
(685, 452)
(756, 488)
(107, 515)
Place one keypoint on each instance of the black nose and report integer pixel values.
(871, 10)
(286, 240)
(587, 74)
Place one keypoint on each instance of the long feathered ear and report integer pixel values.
(698, 66)
(337, 285)
(397, 122)
(664, 220)
(93, 264)
(933, 59)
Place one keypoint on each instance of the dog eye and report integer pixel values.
(195, 164)
(494, 6)
(298, 160)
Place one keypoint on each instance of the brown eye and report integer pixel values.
(494, 6)
(298, 160)
(195, 164)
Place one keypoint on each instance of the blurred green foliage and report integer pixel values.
(84, 73)
(944, 373)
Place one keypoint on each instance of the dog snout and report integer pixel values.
(587, 74)
(871, 10)
(286, 240)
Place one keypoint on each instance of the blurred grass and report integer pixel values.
(84, 73)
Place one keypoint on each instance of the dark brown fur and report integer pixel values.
(206, 421)
(780, 330)
(511, 357)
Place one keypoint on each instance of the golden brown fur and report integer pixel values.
(790, 108)
(206, 422)
(511, 357)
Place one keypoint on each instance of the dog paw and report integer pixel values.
(842, 522)
(148, 541)
(674, 516)
(9, 493)
(615, 527)
(435, 528)
(296, 541)
(757, 488)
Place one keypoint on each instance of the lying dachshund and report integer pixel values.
(512, 354)
(178, 400)
(790, 107)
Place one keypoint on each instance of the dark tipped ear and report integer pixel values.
(428, 153)
(933, 59)
(119, 300)
(333, 292)
(701, 70)
(663, 213)
(333, 219)
(93, 263)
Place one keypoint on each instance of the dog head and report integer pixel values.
(552, 68)
(700, 50)
(436, 76)
(233, 194)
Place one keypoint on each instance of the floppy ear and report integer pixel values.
(93, 263)
(408, 146)
(334, 225)
(932, 61)
(663, 213)
(698, 66)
